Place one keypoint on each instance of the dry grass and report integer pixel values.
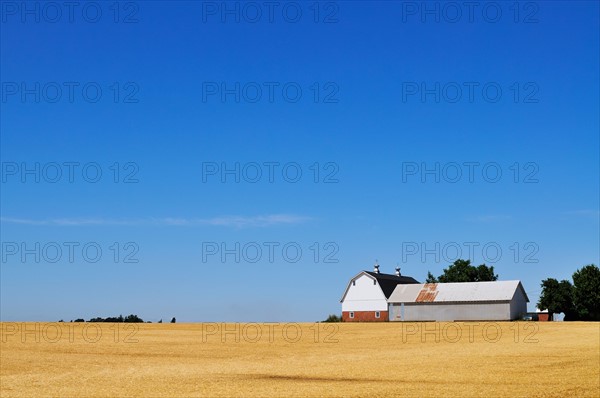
(387, 359)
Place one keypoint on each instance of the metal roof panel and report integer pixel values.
(455, 292)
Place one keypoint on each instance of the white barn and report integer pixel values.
(365, 297)
(467, 301)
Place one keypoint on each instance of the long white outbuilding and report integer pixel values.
(466, 301)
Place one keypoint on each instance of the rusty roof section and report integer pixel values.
(428, 293)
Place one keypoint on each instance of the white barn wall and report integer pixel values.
(518, 305)
(483, 311)
(364, 296)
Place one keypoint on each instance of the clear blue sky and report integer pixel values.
(372, 131)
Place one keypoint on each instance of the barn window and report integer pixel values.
(351, 315)
(377, 314)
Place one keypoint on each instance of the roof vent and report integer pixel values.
(398, 271)
(376, 267)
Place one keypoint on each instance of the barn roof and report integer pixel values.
(387, 282)
(456, 292)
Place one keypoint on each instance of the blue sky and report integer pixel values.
(393, 81)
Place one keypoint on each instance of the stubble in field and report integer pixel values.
(468, 359)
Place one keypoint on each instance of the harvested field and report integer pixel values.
(500, 359)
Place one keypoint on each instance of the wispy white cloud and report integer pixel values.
(66, 221)
(221, 221)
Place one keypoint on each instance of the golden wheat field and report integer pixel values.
(504, 359)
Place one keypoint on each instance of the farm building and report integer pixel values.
(365, 297)
(543, 315)
(467, 301)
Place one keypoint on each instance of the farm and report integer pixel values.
(466, 359)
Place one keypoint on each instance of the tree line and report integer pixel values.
(579, 301)
(118, 319)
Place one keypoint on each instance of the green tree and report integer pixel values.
(485, 274)
(333, 318)
(586, 293)
(463, 271)
(133, 319)
(173, 320)
(557, 297)
(431, 278)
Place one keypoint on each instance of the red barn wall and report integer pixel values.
(364, 316)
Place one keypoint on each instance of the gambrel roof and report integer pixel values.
(386, 282)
